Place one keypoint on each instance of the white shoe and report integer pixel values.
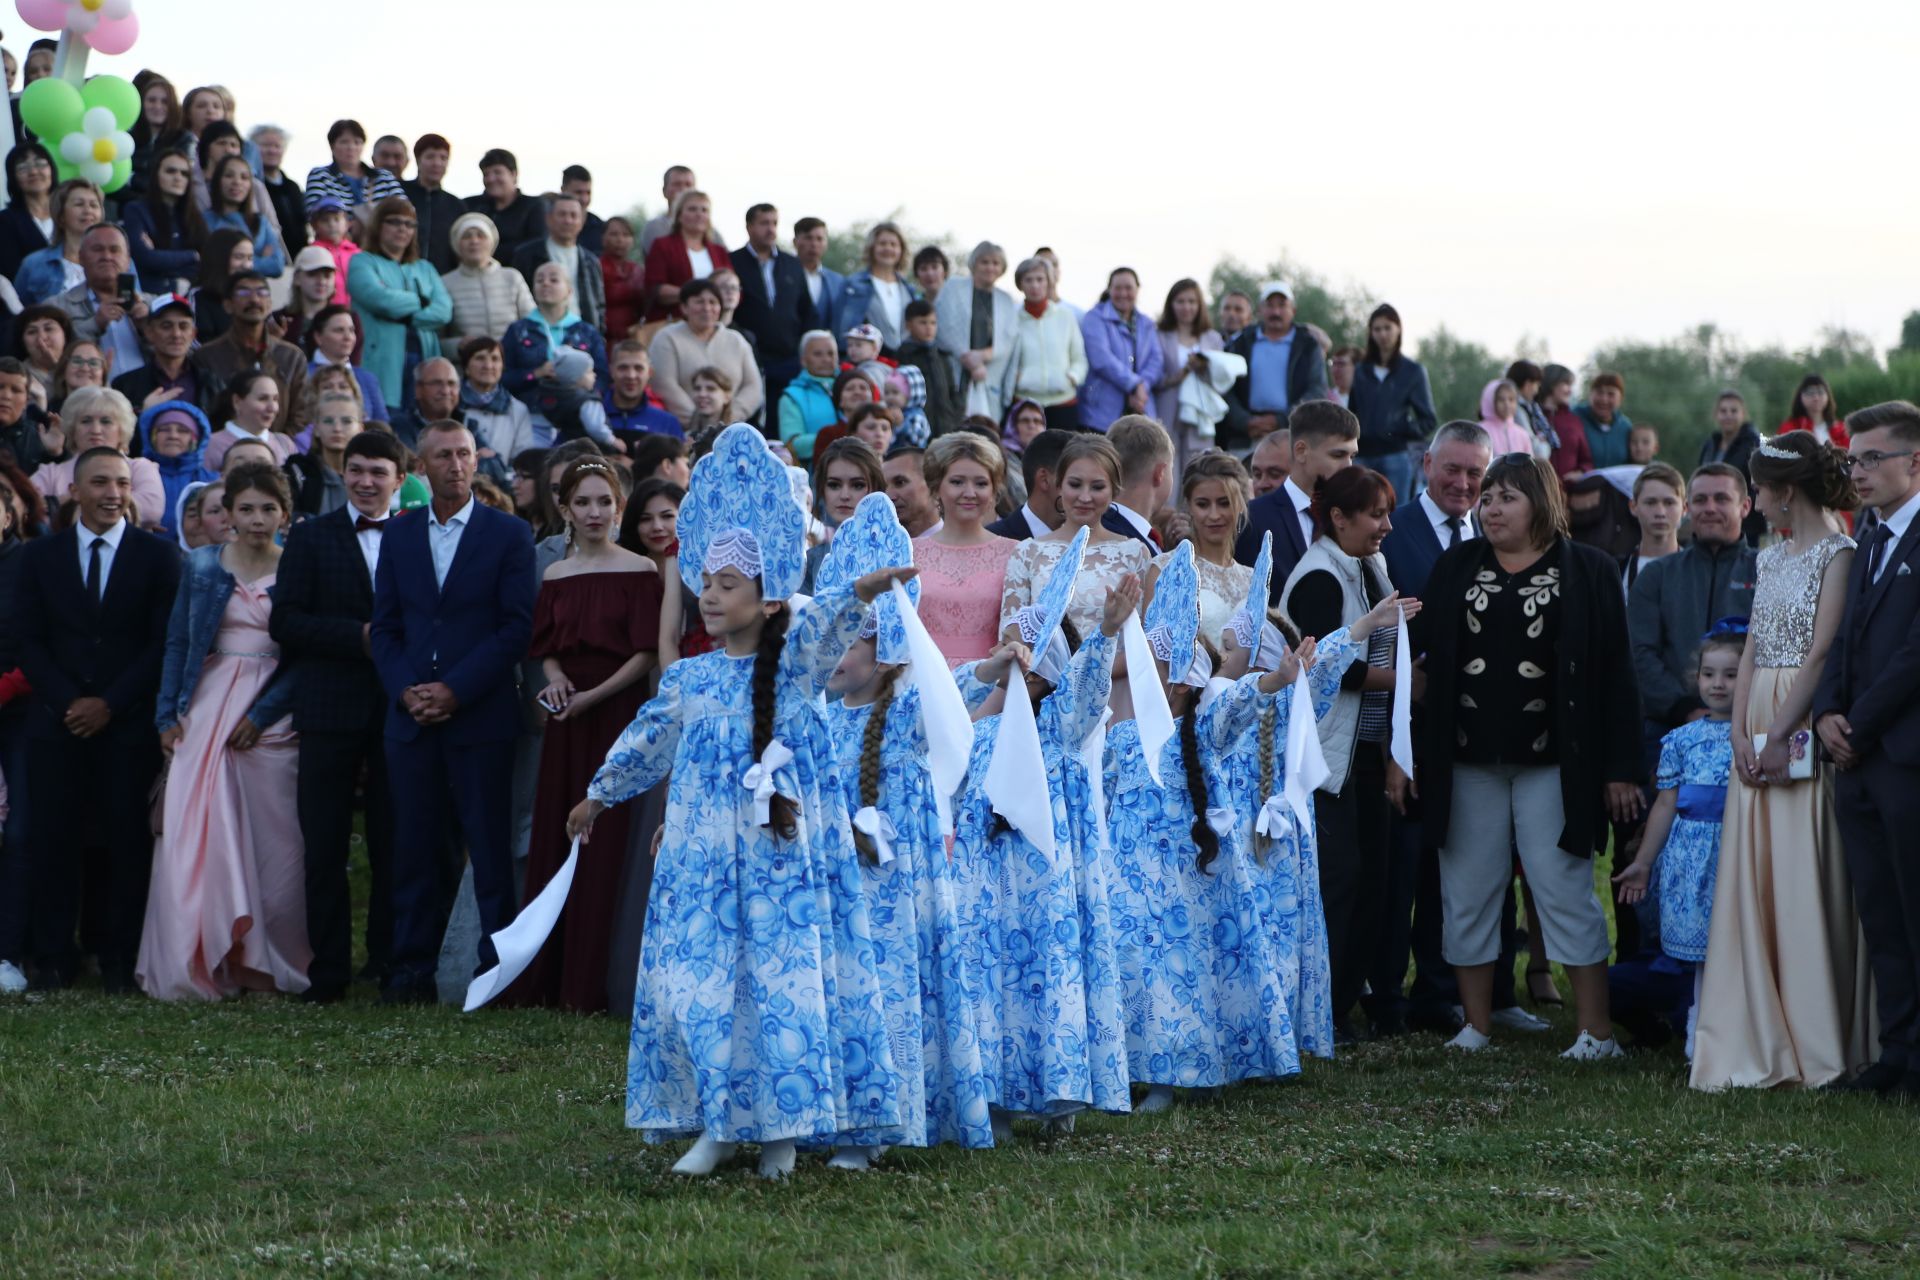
(776, 1159)
(1517, 1019)
(1587, 1049)
(703, 1158)
(1060, 1125)
(852, 1159)
(1159, 1098)
(12, 981)
(1469, 1040)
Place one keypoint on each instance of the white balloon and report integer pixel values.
(76, 148)
(99, 122)
(95, 172)
(122, 145)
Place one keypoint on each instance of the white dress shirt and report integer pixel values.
(1438, 519)
(369, 540)
(111, 538)
(1898, 523)
(443, 540)
(1040, 528)
(119, 340)
(1134, 518)
(1302, 508)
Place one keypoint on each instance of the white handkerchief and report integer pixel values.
(520, 942)
(1017, 774)
(1306, 765)
(1150, 708)
(943, 711)
(1401, 746)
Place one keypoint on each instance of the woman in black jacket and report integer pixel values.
(1393, 400)
(1531, 739)
(29, 204)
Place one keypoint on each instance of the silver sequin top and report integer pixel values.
(1785, 598)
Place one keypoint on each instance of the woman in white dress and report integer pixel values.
(1089, 471)
(1213, 498)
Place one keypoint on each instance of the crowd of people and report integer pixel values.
(1288, 713)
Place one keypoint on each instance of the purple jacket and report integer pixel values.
(1115, 363)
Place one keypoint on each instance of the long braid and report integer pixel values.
(1204, 836)
(783, 819)
(870, 740)
(1269, 723)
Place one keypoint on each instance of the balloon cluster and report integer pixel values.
(85, 125)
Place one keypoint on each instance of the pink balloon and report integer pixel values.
(43, 15)
(114, 35)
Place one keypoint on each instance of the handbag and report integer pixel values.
(1799, 753)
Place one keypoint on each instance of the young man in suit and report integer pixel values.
(452, 616)
(1146, 478)
(90, 615)
(1040, 515)
(775, 304)
(322, 621)
(1325, 438)
(823, 283)
(1867, 712)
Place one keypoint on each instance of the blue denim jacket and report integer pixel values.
(191, 632)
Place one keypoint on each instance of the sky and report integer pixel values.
(1573, 172)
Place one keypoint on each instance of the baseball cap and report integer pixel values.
(327, 204)
(865, 332)
(1270, 287)
(315, 258)
(167, 302)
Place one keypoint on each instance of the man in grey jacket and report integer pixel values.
(1677, 598)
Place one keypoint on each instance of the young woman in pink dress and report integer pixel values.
(227, 904)
(963, 568)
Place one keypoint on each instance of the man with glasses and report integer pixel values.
(246, 345)
(1867, 713)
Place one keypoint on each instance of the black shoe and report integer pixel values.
(1388, 1024)
(409, 993)
(117, 980)
(1344, 1036)
(323, 995)
(1908, 1090)
(46, 977)
(1881, 1077)
(1439, 1019)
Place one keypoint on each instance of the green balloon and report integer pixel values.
(113, 93)
(122, 170)
(52, 108)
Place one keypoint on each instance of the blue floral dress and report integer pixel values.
(1038, 932)
(1200, 963)
(758, 1014)
(1285, 877)
(931, 1022)
(1696, 760)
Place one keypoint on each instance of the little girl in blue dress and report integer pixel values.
(1683, 829)
(886, 733)
(758, 1013)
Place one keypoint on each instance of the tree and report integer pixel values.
(846, 247)
(1341, 312)
(1910, 332)
(1457, 370)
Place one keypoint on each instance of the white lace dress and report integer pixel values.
(1105, 564)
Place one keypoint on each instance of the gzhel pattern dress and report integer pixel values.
(1696, 760)
(758, 1013)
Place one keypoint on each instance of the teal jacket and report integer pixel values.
(393, 300)
(806, 406)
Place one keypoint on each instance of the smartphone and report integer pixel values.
(548, 707)
(128, 290)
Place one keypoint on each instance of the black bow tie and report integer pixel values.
(364, 523)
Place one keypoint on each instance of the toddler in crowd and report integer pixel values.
(873, 424)
(330, 229)
(1683, 830)
(1643, 444)
(862, 347)
(565, 400)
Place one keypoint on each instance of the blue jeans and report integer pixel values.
(1397, 467)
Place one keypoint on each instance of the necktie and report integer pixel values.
(1453, 531)
(1153, 536)
(1877, 558)
(93, 569)
(364, 523)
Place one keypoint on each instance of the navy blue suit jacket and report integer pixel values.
(1273, 513)
(1114, 522)
(469, 634)
(1412, 548)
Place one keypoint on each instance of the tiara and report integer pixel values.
(1768, 449)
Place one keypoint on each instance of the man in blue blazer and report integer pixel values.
(775, 304)
(1325, 437)
(452, 617)
(823, 283)
(1443, 516)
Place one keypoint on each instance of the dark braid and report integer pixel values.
(1204, 836)
(870, 740)
(1269, 722)
(783, 820)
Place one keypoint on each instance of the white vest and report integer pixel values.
(1340, 725)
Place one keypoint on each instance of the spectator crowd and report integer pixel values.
(354, 504)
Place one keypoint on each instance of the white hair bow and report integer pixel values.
(878, 827)
(1275, 816)
(1223, 821)
(759, 779)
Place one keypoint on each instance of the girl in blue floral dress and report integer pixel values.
(1034, 898)
(1683, 828)
(883, 753)
(758, 1014)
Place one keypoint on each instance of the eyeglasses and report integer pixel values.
(33, 162)
(1871, 459)
(86, 362)
(408, 223)
(253, 292)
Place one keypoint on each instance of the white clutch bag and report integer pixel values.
(1799, 753)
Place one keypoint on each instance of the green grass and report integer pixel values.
(265, 1137)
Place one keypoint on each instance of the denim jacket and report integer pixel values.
(191, 634)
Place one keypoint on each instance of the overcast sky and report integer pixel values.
(1577, 172)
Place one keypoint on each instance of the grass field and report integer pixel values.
(265, 1137)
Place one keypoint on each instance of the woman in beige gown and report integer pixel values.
(1786, 995)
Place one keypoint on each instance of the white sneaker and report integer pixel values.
(851, 1159)
(1515, 1018)
(776, 1159)
(1587, 1049)
(12, 981)
(1469, 1040)
(1159, 1098)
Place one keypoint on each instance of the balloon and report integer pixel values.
(115, 35)
(52, 108)
(108, 26)
(115, 95)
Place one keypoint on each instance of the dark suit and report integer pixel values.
(1273, 514)
(1306, 380)
(322, 598)
(1013, 525)
(1113, 522)
(1872, 677)
(70, 647)
(468, 633)
(777, 322)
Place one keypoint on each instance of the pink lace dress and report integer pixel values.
(960, 595)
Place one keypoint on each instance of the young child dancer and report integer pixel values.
(1204, 1001)
(883, 763)
(1034, 902)
(758, 1013)
(1683, 829)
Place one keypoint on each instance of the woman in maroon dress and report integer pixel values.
(596, 626)
(625, 282)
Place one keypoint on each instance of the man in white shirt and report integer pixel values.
(823, 283)
(1325, 439)
(1146, 476)
(677, 178)
(99, 313)
(1040, 514)
(322, 607)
